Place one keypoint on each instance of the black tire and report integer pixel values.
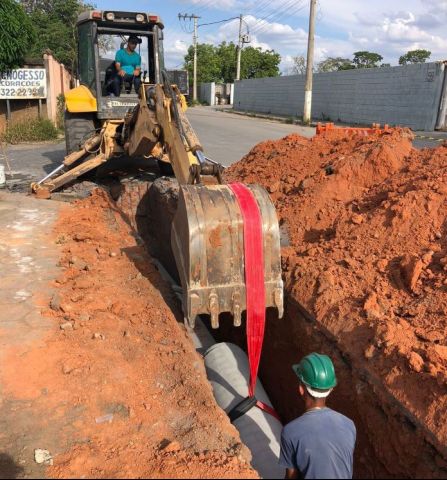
(78, 127)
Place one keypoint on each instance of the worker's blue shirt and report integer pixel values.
(320, 444)
(128, 61)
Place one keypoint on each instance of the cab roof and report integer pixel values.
(121, 18)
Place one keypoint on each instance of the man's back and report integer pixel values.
(320, 444)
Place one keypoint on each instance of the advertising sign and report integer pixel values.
(23, 84)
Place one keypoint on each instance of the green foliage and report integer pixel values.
(16, 34)
(30, 131)
(218, 64)
(365, 59)
(415, 56)
(194, 103)
(336, 64)
(258, 64)
(55, 24)
(60, 111)
(208, 68)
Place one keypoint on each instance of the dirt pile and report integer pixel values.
(118, 389)
(367, 219)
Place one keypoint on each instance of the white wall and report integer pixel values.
(407, 95)
(207, 93)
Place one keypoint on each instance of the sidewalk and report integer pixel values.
(28, 264)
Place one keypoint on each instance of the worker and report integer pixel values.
(128, 67)
(320, 443)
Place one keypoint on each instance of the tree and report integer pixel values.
(227, 54)
(218, 64)
(208, 67)
(55, 25)
(366, 59)
(257, 63)
(299, 65)
(332, 64)
(415, 56)
(16, 34)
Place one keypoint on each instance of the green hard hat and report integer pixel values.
(316, 371)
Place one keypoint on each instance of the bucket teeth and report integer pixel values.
(214, 310)
(208, 245)
(279, 301)
(191, 322)
(237, 309)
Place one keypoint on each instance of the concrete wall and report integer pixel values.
(58, 80)
(408, 95)
(207, 93)
(211, 93)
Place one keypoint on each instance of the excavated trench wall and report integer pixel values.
(391, 443)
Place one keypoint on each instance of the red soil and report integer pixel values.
(125, 393)
(367, 219)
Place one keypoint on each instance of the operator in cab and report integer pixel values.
(320, 443)
(128, 67)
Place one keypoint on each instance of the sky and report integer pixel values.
(390, 28)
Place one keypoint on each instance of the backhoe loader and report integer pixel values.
(216, 225)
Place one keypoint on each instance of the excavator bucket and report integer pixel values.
(208, 244)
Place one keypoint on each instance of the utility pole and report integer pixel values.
(195, 41)
(307, 115)
(239, 49)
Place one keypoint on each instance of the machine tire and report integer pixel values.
(78, 126)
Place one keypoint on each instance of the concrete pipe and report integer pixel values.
(228, 372)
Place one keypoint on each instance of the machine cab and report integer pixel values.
(101, 34)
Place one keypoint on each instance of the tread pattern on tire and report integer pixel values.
(77, 127)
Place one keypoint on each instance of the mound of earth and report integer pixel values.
(367, 220)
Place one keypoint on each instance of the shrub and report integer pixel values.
(37, 130)
(193, 103)
(60, 111)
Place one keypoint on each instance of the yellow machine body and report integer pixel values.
(80, 100)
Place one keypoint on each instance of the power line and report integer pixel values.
(204, 6)
(215, 23)
(196, 19)
(276, 18)
(260, 21)
(263, 7)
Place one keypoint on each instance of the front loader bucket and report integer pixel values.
(208, 245)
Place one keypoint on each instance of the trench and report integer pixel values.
(390, 444)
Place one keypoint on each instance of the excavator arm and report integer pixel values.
(216, 226)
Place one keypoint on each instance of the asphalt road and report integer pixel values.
(226, 138)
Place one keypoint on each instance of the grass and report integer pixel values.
(37, 130)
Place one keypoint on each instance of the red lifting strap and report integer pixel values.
(254, 282)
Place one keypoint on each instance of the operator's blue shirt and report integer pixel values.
(320, 444)
(128, 61)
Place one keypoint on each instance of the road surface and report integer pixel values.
(226, 138)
